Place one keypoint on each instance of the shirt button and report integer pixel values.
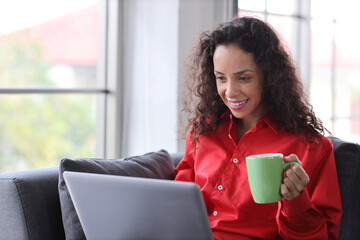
(220, 187)
(215, 213)
(229, 136)
(235, 160)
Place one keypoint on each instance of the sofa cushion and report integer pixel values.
(150, 165)
(347, 159)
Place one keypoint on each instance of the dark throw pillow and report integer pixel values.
(150, 165)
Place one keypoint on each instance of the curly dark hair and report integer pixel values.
(282, 95)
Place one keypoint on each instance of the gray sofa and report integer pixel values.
(30, 205)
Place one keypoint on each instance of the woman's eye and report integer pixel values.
(244, 78)
(220, 78)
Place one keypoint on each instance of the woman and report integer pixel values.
(248, 100)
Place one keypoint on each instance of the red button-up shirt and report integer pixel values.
(218, 166)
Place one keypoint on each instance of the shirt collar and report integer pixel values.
(268, 120)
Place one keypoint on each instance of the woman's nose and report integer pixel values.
(231, 89)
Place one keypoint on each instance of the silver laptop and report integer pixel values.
(116, 207)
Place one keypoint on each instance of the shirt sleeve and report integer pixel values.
(185, 169)
(316, 213)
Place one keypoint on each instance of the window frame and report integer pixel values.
(107, 81)
(302, 54)
(302, 37)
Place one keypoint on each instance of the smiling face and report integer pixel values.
(238, 81)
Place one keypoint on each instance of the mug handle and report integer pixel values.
(285, 165)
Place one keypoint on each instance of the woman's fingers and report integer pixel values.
(296, 179)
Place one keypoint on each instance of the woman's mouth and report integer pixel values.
(238, 105)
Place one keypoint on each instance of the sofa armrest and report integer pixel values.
(347, 159)
(29, 205)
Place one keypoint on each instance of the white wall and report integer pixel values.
(196, 16)
(155, 36)
(149, 75)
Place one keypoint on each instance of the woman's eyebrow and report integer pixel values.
(236, 73)
(218, 72)
(243, 71)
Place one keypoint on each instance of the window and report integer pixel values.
(335, 67)
(324, 45)
(50, 88)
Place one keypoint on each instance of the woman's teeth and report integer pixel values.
(238, 103)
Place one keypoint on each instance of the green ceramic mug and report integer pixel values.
(265, 174)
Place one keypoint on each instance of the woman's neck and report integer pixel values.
(242, 127)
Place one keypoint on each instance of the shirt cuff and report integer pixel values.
(296, 206)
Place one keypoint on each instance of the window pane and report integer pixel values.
(251, 14)
(281, 6)
(323, 9)
(322, 35)
(321, 70)
(347, 129)
(253, 5)
(347, 75)
(347, 10)
(347, 47)
(55, 45)
(286, 28)
(321, 94)
(39, 130)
